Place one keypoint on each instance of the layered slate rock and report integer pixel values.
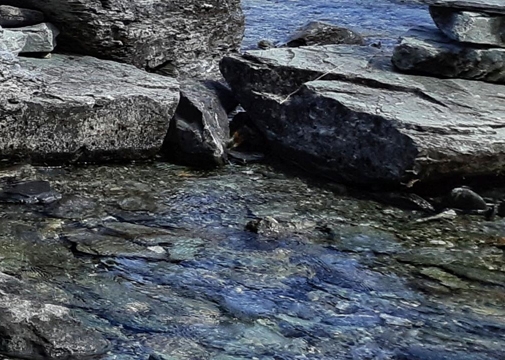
(487, 6)
(320, 33)
(471, 27)
(187, 34)
(40, 38)
(12, 41)
(200, 128)
(11, 16)
(342, 112)
(73, 109)
(426, 50)
(31, 328)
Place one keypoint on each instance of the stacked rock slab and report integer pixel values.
(469, 42)
(186, 36)
(25, 32)
(343, 113)
(80, 109)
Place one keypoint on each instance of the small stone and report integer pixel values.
(463, 198)
(11, 16)
(265, 44)
(320, 33)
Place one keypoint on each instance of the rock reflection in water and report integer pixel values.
(339, 278)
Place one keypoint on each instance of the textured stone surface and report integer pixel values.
(11, 16)
(472, 27)
(426, 50)
(320, 33)
(489, 6)
(12, 41)
(82, 109)
(40, 38)
(33, 329)
(362, 122)
(199, 130)
(188, 34)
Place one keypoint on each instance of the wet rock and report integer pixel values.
(446, 215)
(343, 113)
(265, 44)
(463, 198)
(199, 130)
(29, 192)
(405, 201)
(79, 109)
(487, 6)
(426, 50)
(187, 34)
(40, 38)
(33, 329)
(470, 27)
(246, 138)
(11, 16)
(320, 33)
(267, 226)
(73, 207)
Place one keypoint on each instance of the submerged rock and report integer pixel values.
(79, 109)
(33, 329)
(199, 130)
(29, 192)
(11, 16)
(427, 51)
(470, 27)
(320, 33)
(149, 34)
(364, 123)
(40, 38)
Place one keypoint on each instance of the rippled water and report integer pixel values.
(275, 20)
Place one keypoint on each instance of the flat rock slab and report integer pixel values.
(471, 27)
(12, 41)
(426, 50)
(188, 35)
(342, 112)
(79, 109)
(488, 6)
(11, 16)
(40, 38)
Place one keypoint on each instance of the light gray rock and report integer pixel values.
(364, 123)
(31, 328)
(79, 109)
(40, 38)
(200, 128)
(12, 41)
(320, 33)
(426, 50)
(488, 6)
(11, 16)
(189, 35)
(471, 27)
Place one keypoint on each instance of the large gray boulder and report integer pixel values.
(471, 27)
(341, 112)
(12, 41)
(78, 109)
(11, 16)
(190, 35)
(40, 38)
(488, 6)
(31, 328)
(426, 50)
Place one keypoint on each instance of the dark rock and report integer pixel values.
(245, 135)
(463, 198)
(72, 207)
(267, 226)
(427, 51)
(29, 192)
(471, 27)
(40, 38)
(11, 16)
(189, 34)
(500, 209)
(265, 44)
(487, 6)
(244, 158)
(405, 200)
(78, 109)
(33, 329)
(199, 130)
(364, 123)
(224, 94)
(319, 33)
